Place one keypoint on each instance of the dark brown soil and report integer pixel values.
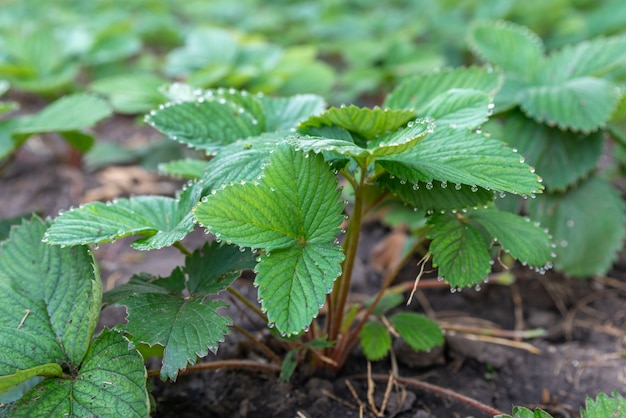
(581, 355)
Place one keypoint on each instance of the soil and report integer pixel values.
(581, 354)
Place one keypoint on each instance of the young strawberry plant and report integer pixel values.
(557, 110)
(271, 199)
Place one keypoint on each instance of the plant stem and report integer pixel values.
(182, 248)
(438, 390)
(350, 339)
(264, 348)
(225, 364)
(246, 302)
(340, 294)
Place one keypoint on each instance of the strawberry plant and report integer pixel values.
(557, 110)
(271, 189)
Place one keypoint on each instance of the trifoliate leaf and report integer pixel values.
(375, 340)
(436, 196)
(284, 113)
(293, 213)
(418, 331)
(605, 406)
(49, 300)
(215, 119)
(187, 328)
(459, 250)
(111, 382)
(419, 91)
(587, 225)
(561, 157)
(365, 122)
(524, 240)
(165, 220)
(582, 104)
(464, 157)
(384, 145)
(184, 169)
(512, 47)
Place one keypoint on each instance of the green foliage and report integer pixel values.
(284, 215)
(173, 312)
(566, 100)
(603, 406)
(164, 221)
(68, 116)
(44, 335)
(573, 88)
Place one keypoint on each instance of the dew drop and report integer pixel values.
(474, 188)
(271, 325)
(570, 223)
(458, 186)
(444, 184)
(564, 243)
(416, 186)
(429, 185)
(305, 329)
(522, 160)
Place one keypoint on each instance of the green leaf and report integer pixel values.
(436, 196)
(525, 241)
(47, 370)
(145, 283)
(375, 340)
(111, 382)
(288, 366)
(581, 104)
(214, 267)
(187, 168)
(283, 113)
(594, 58)
(459, 251)
(240, 161)
(187, 328)
(293, 212)
(365, 122)
(131, 93)
(417, 92)
(384, 145)
(561, 157)
(164, 220)
(459, 108)
(522, 412)
(36, 283)
(512, 47)
(420, 332)
(605, 406)
(79, 140)
(69, 113)
(216, 118)
(587, 225)
(464, 157)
